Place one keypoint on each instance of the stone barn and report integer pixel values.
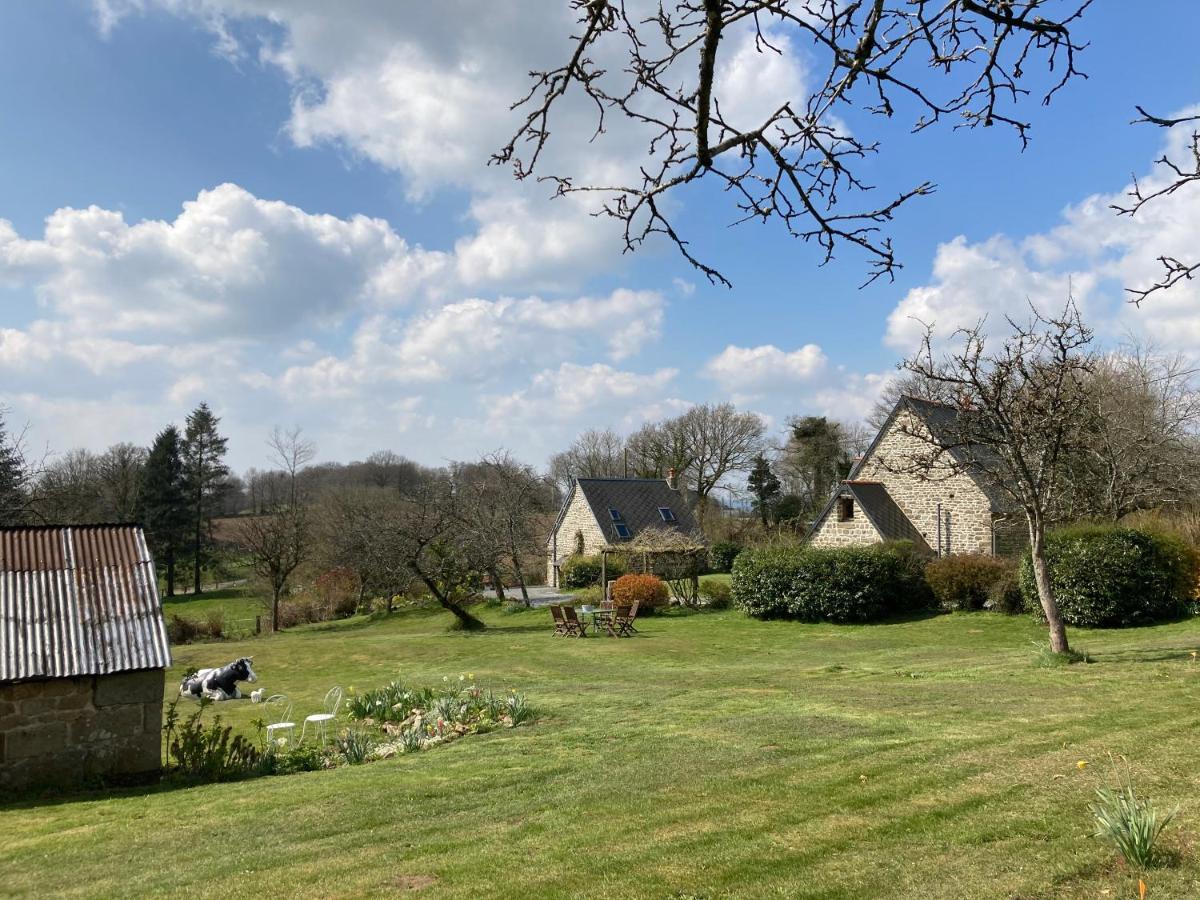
(885, 498)
(83, 648)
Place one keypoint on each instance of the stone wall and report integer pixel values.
(965, 508)
(66, 730)
(578, 518)
(851, 532)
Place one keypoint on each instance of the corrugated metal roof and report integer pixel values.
(78, 600)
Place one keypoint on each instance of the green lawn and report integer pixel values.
(710, 756)
(238, 605)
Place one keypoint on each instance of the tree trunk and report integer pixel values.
(1041, 577)
(497, 583)
(465, 619)
(516, 561)
(274, 610)
(171, 572)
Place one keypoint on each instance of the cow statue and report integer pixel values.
(219, 684)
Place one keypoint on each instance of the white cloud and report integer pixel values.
(229, 263)
(1094, 254)
(765, 367)
(565, 394)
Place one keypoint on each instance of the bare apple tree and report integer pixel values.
(1020, 410)
(1178, 174)
(657, 70)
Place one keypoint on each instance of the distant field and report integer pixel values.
(711, 756)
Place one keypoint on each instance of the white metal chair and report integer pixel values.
(321, 720)
(279, 715)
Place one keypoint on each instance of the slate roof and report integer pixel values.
(889, 520)
(79, 600)
(638, 501)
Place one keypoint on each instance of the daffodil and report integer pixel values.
(1081, 765)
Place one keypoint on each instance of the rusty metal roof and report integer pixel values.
(78, 600)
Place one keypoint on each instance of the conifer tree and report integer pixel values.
(204, 472)
(164, 502)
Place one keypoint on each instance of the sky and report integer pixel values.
(284, 209)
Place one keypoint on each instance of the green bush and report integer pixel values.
(1004, 596)
(1110, 577)
(722, 554)
(964, 581)
(843, 584)
(584, 571)
(716, 592)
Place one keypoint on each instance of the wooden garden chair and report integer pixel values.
(624, 619)
(575, 628)
(619, 615)
(560, 621)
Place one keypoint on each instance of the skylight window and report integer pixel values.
(616, 516)
(667, 515)
(623, 531)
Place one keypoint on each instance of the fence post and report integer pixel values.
(258, 624)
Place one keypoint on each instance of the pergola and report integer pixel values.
(681, 555)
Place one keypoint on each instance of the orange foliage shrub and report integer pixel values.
(648, 590)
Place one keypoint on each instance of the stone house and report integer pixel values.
(83, 648)
(604, 512)
(955, 510)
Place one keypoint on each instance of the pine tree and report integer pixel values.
(204, 472)
(764, 486)
(12, 480)
(164, 502)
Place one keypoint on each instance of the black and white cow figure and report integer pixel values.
(219, 684)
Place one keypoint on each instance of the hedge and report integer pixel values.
(584, 571)
(964, 580)
(722, 554)
(843, 584)
(1111, 577)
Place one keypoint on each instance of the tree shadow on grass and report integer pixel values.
(1148, 654)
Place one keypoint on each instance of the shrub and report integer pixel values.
(716, 593)
(1004, 596)
(182, 630)
(646, 590)
(592, 595)
(722, 554)
(298, 611)
(843, 584)
(1111, 577)
(214, 623)
(355, 745)
(584, 571)
(213, 753)
(963, 581)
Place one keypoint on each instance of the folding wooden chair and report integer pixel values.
(560, 622)
(624, 622)
(575, 628)
(619, 615)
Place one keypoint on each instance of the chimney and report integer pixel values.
(671, 478)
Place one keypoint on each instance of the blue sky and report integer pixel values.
(284, 209)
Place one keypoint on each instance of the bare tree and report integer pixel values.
(658, 448)
(1020, 411)
(509, 506)
(18, 475)
(1178, 174)
(597, 453)
(68, 489)
(291, 451)
(1141, 449)
(277, 543)
(722, 441)
(967, 61)
(119, 471)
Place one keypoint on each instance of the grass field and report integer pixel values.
(710, 756)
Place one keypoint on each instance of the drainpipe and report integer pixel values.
(939, 529)
(554, 558)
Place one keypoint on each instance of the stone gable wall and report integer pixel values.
(852, 532)
(966, 509)
(578, 518)
(64, 731)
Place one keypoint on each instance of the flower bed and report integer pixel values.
(410, 719)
